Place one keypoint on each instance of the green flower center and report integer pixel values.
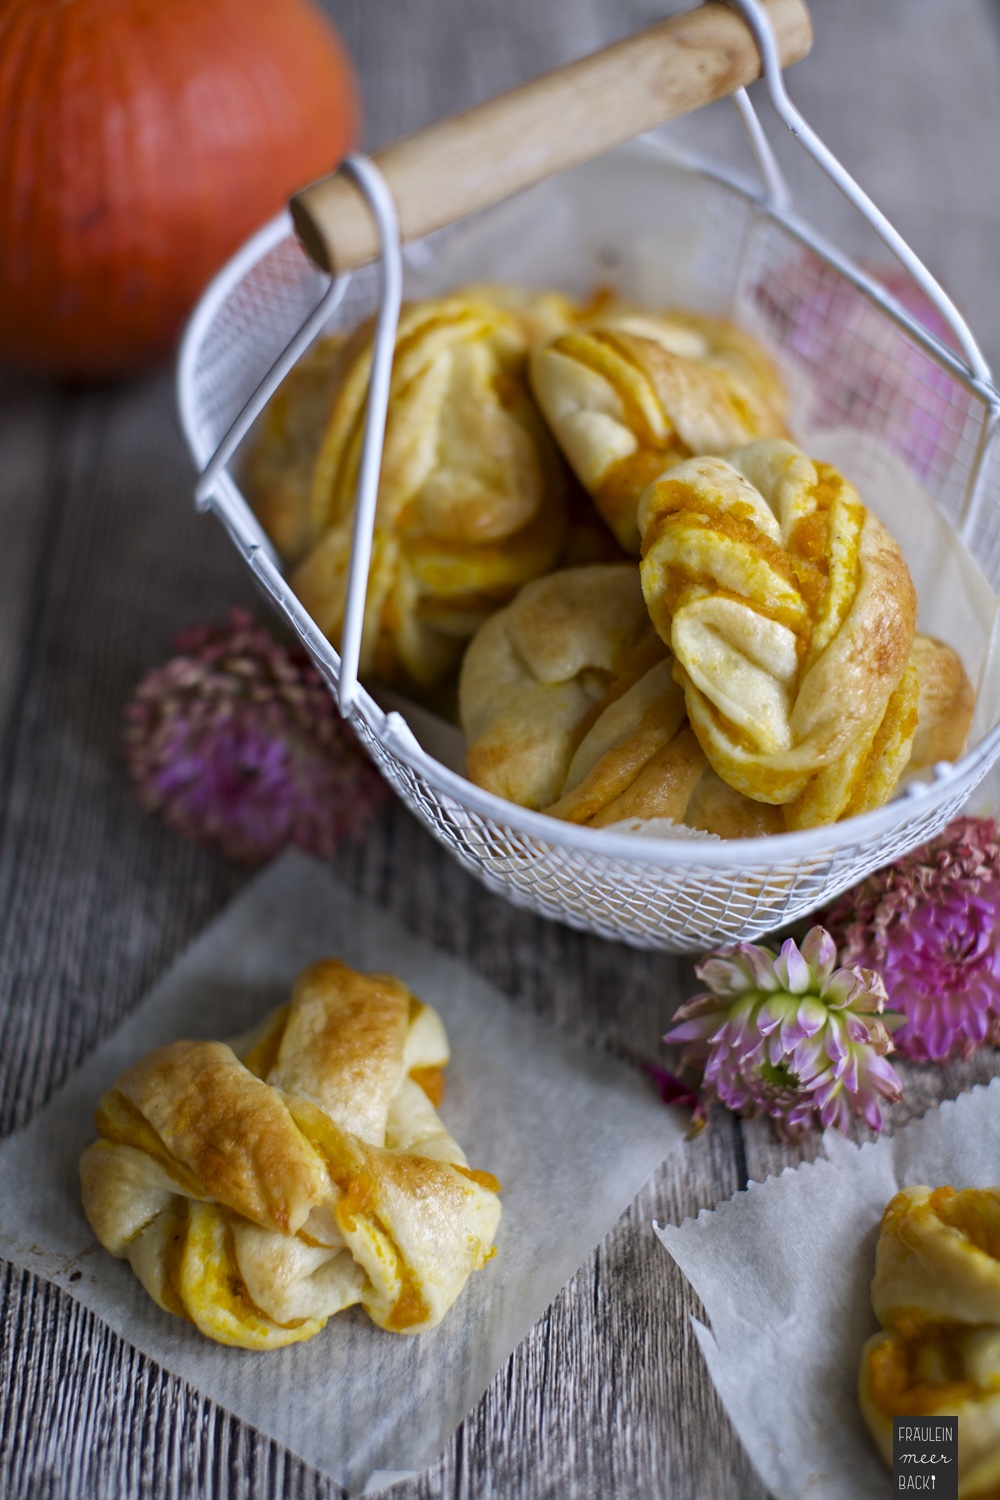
(779, 1076)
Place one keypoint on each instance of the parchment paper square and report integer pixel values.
(572, 1135)
(784, 1270)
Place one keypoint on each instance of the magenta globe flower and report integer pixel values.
(237, 744)
(790, 1035)
(929, 924)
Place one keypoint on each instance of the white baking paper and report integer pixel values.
(572, 1135)
(783, 1271)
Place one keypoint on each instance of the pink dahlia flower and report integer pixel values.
(790, 1035)
(929, 924)
(237, 744)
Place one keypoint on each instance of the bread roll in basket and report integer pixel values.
(665, 232)
(258, 1189)
(634, 392)
(472, 495)
(936, 1293)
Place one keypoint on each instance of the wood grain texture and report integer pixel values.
(102, 560)
(31, 414)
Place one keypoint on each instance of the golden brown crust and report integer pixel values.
(662, 786)
(343, 1044)
(632, 732)
(936, 1292)
(636, 392)
(946, 704)
(536, 670)
(257, 1206)
(938, 1258)
(231, 1131)
(472, 491)
(569, 704)
(379, 1188)
(715, 807)
(791, 614)
(279, 468)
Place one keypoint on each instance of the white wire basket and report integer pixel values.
(668, 230)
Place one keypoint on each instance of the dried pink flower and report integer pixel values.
(237, 744)
(790, 1035)
(929, 924)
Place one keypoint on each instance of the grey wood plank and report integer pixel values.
(460, 52)
(30, 488)
(78, 941)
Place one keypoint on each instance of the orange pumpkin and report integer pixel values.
(141, 141)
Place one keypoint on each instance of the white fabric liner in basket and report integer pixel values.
(870, 392)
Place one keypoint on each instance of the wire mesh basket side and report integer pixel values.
(683, 908)
(840, 347)
(848, 364)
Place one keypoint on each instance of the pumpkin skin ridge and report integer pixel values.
(131, 173)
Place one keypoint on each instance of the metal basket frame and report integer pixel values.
(679, 895)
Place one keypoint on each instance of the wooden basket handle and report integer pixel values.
(479, 158)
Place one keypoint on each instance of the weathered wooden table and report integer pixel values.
(102, 560)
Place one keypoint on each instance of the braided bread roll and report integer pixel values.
(568, 703)
(636, 392)
(938, 1258)
(278, 471)
(471, 497)
(945, 704)
(936, 1292)
(257, 1194)
(791, 615)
